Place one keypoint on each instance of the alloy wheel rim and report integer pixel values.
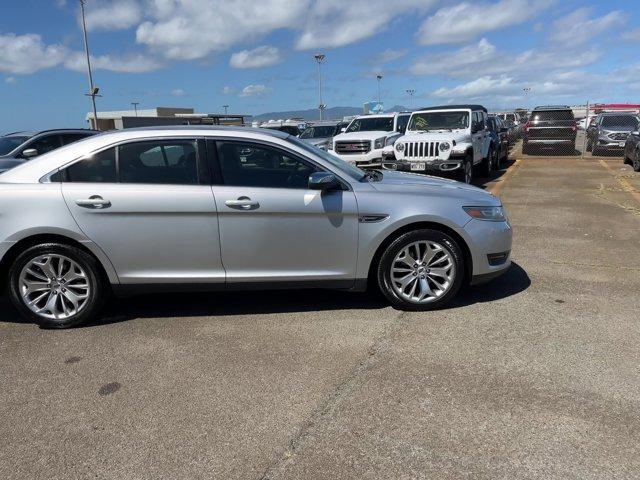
(422, 272)
(54, 286)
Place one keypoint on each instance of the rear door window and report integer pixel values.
(159, 162)
(98, 168)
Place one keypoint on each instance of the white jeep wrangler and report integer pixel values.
(447, 139)
(363, 140)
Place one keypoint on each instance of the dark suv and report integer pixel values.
(18, 147)
(609, 132)
(551, 126)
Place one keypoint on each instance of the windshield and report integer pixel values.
(371, 124)
(550, 115)
(628, 121)
(319, 131)
(346, 168)
(439, 120)
(8, 144)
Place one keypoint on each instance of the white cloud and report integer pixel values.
(131, 63)
(197, 28)
(113, 14)
(577, 28)
(632, 35)
(253, 90)
(388, 55)
(258, 57)
(466, 21)
(226, 90)
(178, 92)
(10, 80)
(335, 23)
(24, 54)
(61, 3)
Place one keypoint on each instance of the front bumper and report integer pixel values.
(488, 239)
(432, 166)
(372, 159)
(606, 142)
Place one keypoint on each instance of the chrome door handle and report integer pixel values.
(95, 201)
(243, 202)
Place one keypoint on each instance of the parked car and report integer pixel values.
(499, 140)
(632, 150)
(366, 136)
(449, 139)
(292, 126)
(18, 147)
(321, 134)
(220, 208)
(550, 126)
(609, 132)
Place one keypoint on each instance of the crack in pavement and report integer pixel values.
(353, 379)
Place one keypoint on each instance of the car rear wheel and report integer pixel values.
(487, 163)
(421, 270)
(56, 285)
(636, 162)
(589, 146)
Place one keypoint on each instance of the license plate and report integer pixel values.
(418, 166)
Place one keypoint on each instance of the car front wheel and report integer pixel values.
(421, 270)
(56, 285)
(636, 162)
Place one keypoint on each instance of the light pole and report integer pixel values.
(321, 106)
(225, 108)
(93, 91)
(379, 77)
(410, 92)
(135, 107)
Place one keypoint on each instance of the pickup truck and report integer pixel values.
(363, 141)
(551, 126)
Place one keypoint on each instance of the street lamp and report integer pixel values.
(135, 107)
(93, 91)
(225, 108)
(379, 77)
(410, 92)
(321, 106)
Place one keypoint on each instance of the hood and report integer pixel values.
(404, 182)
(316, 141)
(367, 135)
(460, 136)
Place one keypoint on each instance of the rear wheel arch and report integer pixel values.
(466, 252)
(24, 244)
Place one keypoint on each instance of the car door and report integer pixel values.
(478, 135)
(272, 227)
(148, 205)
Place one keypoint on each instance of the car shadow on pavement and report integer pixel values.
(483, 182)
(179, 305)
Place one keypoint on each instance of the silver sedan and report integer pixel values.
(201, 208)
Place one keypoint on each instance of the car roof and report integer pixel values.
(552, 107)
(326, 123)
(607, 114)
(55, 130)
(454, 107)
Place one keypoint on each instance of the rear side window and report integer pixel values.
(167, 162)
(99, 168)
(403, 120)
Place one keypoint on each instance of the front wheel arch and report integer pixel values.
(377, 256)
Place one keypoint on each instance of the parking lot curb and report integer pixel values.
(497, 188)
(624, 183)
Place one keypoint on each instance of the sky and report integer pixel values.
(258, 55)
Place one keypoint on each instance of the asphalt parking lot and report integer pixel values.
(535, 375)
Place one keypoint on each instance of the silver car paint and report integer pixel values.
(298, 234)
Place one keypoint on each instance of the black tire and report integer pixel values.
(98, 291)
(526, 149)
(626, 160)
(589, 146)
(636, 163)
(595, 151)
(384, 269)
(465, 175)
(487, 164)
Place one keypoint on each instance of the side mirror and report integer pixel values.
(343, 129)
(323, 181)
(30, 153)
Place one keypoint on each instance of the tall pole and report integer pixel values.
(320, 58)
(135, 107)
(379, 77)
(92, 91)
(411, 92)
(225, 108)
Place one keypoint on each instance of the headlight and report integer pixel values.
(379, 142)
(445, 146)
(493, 214)
(400, 146)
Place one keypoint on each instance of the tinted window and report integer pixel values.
(252, 165)
(100, 167)
(45, 144)
(552, 115)
(7, 144)
(626, 121)
(371, 124)
(68, 138)
(165, 162)
(403, 120)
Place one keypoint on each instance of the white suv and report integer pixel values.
(366, 136)
(447, 139)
